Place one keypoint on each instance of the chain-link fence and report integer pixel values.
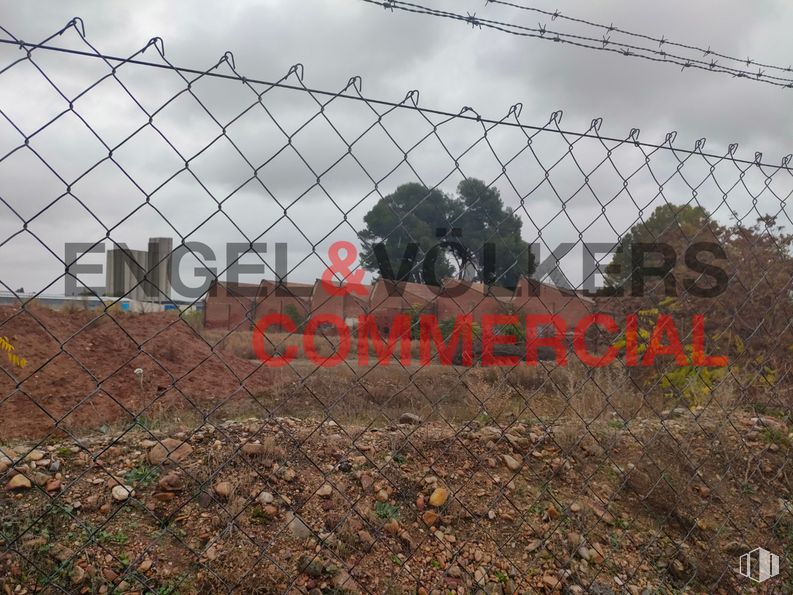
(560, 363)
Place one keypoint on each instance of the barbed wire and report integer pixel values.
(661, 41)
(410, 102)
(604, 43)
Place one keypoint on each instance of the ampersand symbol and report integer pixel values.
(341, 267)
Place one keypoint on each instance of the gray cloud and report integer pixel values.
(451, 64)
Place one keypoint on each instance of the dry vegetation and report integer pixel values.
(557, 479)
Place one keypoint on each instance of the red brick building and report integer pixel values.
(237, 306)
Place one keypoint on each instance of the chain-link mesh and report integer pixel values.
(151, 451)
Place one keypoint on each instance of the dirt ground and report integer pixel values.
(215, 475)
(299, 506)
(81, 375)
(81, 370)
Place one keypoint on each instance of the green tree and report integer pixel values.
(414, 214)
(678, 226)
(485, 219)
(411, 214)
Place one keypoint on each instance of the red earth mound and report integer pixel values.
(81, 370)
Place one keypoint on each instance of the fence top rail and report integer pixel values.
(409, 102)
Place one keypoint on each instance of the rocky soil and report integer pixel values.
(663, 505)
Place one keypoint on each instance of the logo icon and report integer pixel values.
(340, 267)
(759, 565)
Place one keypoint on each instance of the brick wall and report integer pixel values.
(234, 306)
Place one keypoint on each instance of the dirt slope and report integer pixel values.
(81, 369)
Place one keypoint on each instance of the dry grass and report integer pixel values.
(380, 394)
(238, 343)
(578, 399)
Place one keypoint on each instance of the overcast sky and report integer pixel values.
(451, 64)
